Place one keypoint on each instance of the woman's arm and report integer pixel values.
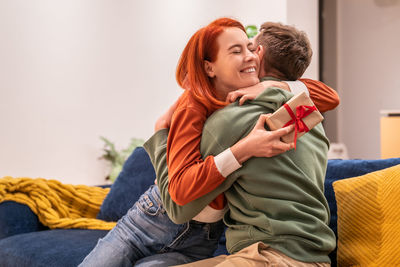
(190, 177)
(324, 97)
(158, 152)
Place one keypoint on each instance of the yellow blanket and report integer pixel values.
(57, 205)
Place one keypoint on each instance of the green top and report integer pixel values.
(277, 200)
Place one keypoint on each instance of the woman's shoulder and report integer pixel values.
(189, 103)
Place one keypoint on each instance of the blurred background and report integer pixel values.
(72, 71)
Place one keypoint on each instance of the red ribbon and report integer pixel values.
(299, 125)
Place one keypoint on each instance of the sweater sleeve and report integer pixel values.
(156, 147)
(324, 97)
(190, 177)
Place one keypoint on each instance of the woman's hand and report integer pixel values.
(165, 120)
(250, 93)
(262, 143)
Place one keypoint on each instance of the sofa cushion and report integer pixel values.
(60, 247)
(17, 218)
(368, 219)
(340, 169)
(135, 178)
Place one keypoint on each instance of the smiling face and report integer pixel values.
(236, 65)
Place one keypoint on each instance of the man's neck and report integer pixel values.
(269, 78)
(275, 74)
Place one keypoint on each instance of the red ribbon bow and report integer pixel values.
(299, 125)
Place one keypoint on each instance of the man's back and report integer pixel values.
(277, 200)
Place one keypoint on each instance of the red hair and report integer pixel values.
(190, 72)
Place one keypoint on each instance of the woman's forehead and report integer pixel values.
(232, 36)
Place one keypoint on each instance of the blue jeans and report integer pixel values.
(146, 236)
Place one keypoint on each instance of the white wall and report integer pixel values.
(368, 71)
(304, 15)
(71, 71)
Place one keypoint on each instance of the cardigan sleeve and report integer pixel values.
(324, 97)
(190, 177)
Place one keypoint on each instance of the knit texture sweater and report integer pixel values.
(277, 200)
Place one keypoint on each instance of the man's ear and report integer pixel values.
(209, 68)
(260, 51)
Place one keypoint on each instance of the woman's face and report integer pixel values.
(236, 65)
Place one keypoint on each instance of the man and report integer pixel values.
(285, 53)
(277, 210)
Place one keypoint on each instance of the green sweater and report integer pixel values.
(277, 200)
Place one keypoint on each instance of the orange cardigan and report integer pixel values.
(191, 177)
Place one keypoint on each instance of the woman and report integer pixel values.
(146, 230)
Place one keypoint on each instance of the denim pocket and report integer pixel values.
(215, 230)
(148, 205)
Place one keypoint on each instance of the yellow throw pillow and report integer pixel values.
(368, 210)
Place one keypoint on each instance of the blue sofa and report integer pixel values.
(24, 241)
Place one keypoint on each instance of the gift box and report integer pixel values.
(300, 111)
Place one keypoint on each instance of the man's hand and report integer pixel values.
(250, 93)
(262, 143)
(165, 120)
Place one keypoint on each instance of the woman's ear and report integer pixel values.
(209, 68)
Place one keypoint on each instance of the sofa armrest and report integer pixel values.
(16, 218)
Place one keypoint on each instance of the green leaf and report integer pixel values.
(251, 30)
(116, 169)
(118, 158)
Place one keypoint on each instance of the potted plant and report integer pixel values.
(117, 158)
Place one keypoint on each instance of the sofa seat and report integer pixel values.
(59, 247)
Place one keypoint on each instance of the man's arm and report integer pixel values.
(156, 147)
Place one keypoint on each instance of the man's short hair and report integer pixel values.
(287, 49)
